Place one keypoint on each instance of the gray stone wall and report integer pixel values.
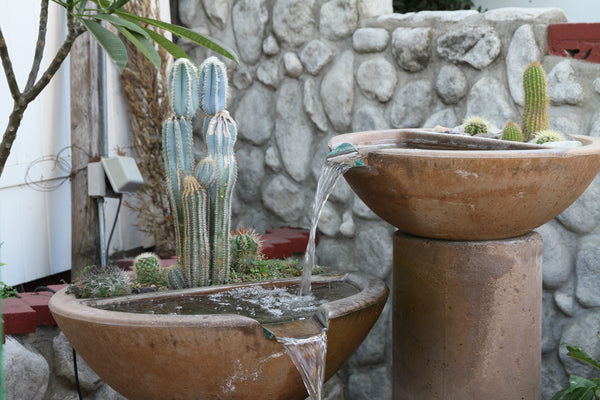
(312, 69)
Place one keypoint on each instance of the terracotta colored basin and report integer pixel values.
(453, 187)
(209, 356)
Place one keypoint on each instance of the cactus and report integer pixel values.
(200, 193)
(100, 282)
(512, 132)
(546, 136)
(535, 110)
(475, 125)
(148, 270)
(246, 247)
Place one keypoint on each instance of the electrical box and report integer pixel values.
(123, 174)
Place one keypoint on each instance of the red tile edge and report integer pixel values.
(575, 40)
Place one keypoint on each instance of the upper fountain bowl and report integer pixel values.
(455, 187)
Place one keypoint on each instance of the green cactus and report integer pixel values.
(512, 132)
(246, 248)
(200, 194)
(148, 270)
(535, 110)
(546, 136)
(475, 125)
(220, 133)
(100, 282)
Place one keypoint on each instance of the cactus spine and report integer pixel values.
(546, 136)
(512, 132)
(220, 133)
(475, 125)
(200, 193)
(535, 110)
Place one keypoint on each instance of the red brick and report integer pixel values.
(39, 302)
(577, 40)
(298, 237)
(18, 316)
(276, 247)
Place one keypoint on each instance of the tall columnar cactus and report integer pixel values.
(200, 193)
(220, 132)
(535, 111)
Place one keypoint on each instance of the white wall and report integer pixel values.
(575, 10)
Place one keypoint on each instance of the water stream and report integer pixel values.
(330, 174)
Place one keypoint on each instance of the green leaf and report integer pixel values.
(577, 353)
(143, 44)
(109, 42)
(81, 7)
(166, 44)
(206, 41)
(116, 21)
(117, 4)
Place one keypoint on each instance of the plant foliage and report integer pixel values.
(580, 388)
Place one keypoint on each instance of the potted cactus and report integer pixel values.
(156, 356)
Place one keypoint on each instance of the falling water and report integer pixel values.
(330, 173)
(308, 355)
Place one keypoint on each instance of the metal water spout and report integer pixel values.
(347, 154)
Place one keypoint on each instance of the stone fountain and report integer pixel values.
(467, 296)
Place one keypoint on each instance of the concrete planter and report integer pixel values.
(208, 356)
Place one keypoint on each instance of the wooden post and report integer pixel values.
(85, 139)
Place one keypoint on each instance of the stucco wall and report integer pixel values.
(313, 69)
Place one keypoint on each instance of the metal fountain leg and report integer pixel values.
(467, 318)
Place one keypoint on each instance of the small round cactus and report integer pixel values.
(101, 282)
(246, 247)
(546, 136)
(475, 125)
(512, 132)
(148, 270)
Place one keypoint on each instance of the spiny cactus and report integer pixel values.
(200, 194)
(246, 247)
(546, 136)
(535, 110)
(148, 270)
(512, 132)
(475, 125)
(100, 282)
(220, 133)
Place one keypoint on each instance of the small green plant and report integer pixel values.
(246, 247)
(546, 136)
(475, 125)
(148, 271)
(7, 291)
(266, 270)
(512, 132)
(580, 388)
(100, 282)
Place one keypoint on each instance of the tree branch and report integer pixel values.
(39, 47)
(8, 69)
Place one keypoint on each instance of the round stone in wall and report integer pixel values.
(315, 55)
(522, 50)
(370, 40)
(584, 214)
(581, 331)
(445, 117)
(476, 46)
(563, 87)
(294, 21)
(26, 372)
(373, 251)
(284, 197)
(292, 64)
(313, 106)
(337, 91)
(557, 265)
(256, 110)
(451, 84)
(411, 104)
(249, 18)
(588, 272)
(338, 19)
(251, 171)
(370, 383)
(270, 46)
(376, 78)
(268, 73)
(410, 47)
(217, 12)
(489, 99)
(368, 117)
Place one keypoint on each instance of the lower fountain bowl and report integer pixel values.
(224, 356)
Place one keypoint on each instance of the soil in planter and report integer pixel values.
(264, 304)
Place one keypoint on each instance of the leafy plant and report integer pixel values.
(88, 15)
(580, 388)
(7, 291)
(265, 270)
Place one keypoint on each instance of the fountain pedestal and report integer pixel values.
(467, 318)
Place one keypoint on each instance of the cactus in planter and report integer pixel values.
(246, 247)
(148, 270)
(475, 125)
(512, 132)
(546, 136)
(200, 194)
(535, 110)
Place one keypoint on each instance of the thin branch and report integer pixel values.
(55, 64)
(8, 69)
(39, 47)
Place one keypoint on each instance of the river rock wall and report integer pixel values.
(312, 69)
